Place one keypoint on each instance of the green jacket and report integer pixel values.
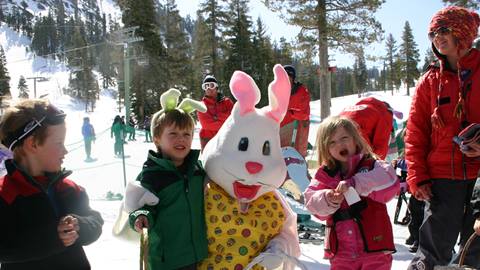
(177, 230)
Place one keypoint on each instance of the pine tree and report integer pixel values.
(44, 41)
(239, 53)
(215, 18)
(177, 47)
(391, 70)
(22, 88)
(201, 63)
(263, 61)
(283, 52)
(360, 70)
(473, 4)
(409, 56)
(153, 76)
(429, 59)
(60, 18)
(342, 24)
(4, 77)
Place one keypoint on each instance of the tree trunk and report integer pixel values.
(325, 91)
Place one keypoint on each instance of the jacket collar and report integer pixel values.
(49, 179)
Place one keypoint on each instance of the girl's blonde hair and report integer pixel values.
(325, 133)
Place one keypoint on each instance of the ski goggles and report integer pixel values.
(209, 85)
(53, 116)
(442, 31)
(469, 135)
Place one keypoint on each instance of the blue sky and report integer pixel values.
(392, 15)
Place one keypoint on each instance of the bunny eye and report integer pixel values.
(266, 148)
(243, 144)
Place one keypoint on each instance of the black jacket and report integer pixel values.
(29, 216)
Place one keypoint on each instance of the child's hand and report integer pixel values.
(342, 187)
(476, 226)
(140, 223)
(334, 196)
(68, 229)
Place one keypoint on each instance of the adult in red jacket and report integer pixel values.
(298, 110)
(375, 119)
(447, 99)
(218, 110)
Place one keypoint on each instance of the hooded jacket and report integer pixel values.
(217, 112)
(31, 209)
(430, 152)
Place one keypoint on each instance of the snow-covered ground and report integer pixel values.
(106, 174)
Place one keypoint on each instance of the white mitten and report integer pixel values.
(137, 196)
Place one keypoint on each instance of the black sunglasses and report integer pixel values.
(439, 31)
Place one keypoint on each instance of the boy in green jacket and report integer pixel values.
(174, 178)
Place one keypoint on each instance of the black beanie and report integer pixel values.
(290, 71)
(209, 78)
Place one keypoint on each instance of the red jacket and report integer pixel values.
(375, 122)
(217, 112)
(430, 152)
(298, 106)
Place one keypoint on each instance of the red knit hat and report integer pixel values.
(461, 21)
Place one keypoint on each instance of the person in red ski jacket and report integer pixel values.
(447, 99)
(218, 106)
(375, 120)
(358, 234)
(298, 109)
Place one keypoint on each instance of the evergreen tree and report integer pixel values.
(61, 26)
(343, 24)
(4, 77)
(429, 59)
(44, 41)
(201, 63)
(263, 61)
(153, 76)
(283, 52)
(410, 57)
(360, 69)
(215, 18)
(22, 88)
(473, 4)
(391, 71)
(177, 47)
(239, 53)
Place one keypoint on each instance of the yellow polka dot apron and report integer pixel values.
(235, 238)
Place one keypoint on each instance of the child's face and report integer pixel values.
(175, 143)
(51, 153)
(341, 145)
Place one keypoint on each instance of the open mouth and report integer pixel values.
(246, 192)
(344, 153)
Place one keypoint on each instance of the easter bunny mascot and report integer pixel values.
(249, 224)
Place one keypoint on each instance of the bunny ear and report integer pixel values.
(278, 94)
(189, 105)
(169, 99)
(245, 91)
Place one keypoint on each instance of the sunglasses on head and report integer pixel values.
(439, 31)
(53, 116)
(208, 85)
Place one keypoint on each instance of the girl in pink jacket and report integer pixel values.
(349, 191)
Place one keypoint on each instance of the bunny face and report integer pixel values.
(245, 157)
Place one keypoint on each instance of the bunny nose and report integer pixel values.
(253, 167)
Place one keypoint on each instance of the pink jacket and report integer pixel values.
(379, 184)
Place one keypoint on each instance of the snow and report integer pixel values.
(106, 174)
